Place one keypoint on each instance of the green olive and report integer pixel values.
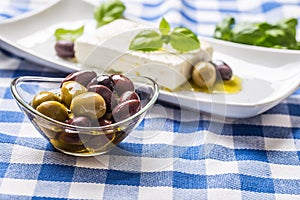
(42, 97)
(88, 104)
(69, 90)
(54, 110)
(204, 74)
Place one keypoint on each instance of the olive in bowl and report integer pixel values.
(79, 133)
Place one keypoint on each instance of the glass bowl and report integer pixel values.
(78, 140)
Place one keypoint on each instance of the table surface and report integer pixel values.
(184, 155)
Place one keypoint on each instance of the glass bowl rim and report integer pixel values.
(15, 81)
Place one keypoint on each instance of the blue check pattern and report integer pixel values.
(173, 153)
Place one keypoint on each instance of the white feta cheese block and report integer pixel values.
(107, 50)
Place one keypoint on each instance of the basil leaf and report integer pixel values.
(164, 27)
(66, 34)
(279, 35)
(147, 40)
(108, 11)
(290, 23)
(183, 39)
(249, 33)
(223, 29)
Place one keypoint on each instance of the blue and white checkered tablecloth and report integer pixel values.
(180, 155)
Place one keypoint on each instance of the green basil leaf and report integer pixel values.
(183, 39)
(297, 46)
(108, 11)
(147, 40)
(164, 27)
(279, 35)
(248, 32)
(67, 34)
(223, 29)
(288, 23)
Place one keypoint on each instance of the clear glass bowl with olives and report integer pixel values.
(85, 114)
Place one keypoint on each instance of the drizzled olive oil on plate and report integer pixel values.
(232, 86)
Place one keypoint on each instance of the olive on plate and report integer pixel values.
(204, 74)
(64, 49)
(224, 71)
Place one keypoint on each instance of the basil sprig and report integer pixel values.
(68, 34)
(108, 11)
(105, 13)
(278, 35)
(181, 39)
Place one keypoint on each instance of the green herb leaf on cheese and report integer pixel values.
(109, 11)
(67, 34)
(147, 40)
(183, 39)
(180, 38)
(164, 27)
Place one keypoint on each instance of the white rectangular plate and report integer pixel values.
(32, 37)
(268, 75)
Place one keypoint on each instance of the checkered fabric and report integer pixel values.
(173, 153)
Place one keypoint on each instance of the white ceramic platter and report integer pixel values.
(268, 75)
(32, 37)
